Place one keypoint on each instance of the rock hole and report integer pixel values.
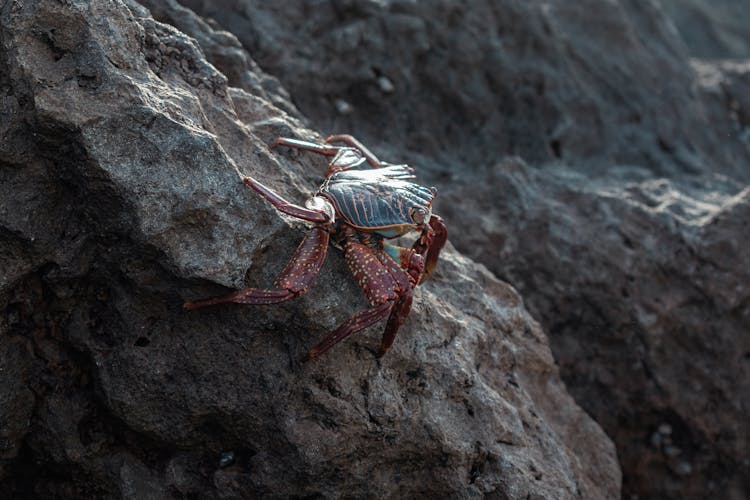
(665, 146)
(556, 148)
(469, 408)
(474, 472)
(142, 342)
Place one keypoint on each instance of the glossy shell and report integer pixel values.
(380, 200)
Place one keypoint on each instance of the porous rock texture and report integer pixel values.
(121, 154)
(594, 154)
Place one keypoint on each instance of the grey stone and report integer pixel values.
(718, 29)
(16, 398)
(597, 84)
(588, 158)
(131, 146)
(642, 287)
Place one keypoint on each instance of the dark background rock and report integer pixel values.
(595, 84)
(121, 155)
(595, 155)
(712, 30)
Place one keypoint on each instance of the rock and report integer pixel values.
(643, 288)
(594, 84)
(586, 158)
(712, 30)
(16, 399)
(224, 51)
(122, 151)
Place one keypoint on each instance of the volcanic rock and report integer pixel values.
(588, 158)
(121, 156)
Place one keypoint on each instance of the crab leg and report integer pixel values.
(411, 267)
(344, 158)
(387, 287)
(399, 312)
(327, 150)
(429, 244)
(351, 141)
(322, 149)
(286, 207)
(358, 322)
(295, 280)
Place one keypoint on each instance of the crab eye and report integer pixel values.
(418, 214)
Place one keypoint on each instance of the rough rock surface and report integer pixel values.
(717, 29)
(120, 160)
(587, 159)
(592, 83)
(643, 288)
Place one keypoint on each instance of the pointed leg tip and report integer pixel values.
(309, 356)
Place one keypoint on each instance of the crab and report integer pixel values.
(362, 203)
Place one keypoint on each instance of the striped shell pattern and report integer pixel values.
(379, 198)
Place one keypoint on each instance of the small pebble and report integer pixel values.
(683, 468)
(226, 459)
(656, 440)
(342, 106)
(386, 85)
(665, 429)
(672, 451)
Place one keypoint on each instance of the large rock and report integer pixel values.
(644, 290)
(122, 150)
(715, 29)
(630, 154)
(593, 83)
(16, 399)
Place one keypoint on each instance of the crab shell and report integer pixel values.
(379, 200)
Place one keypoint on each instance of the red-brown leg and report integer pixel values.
(323, 215)
(295, 280)
(399, 312)
(409, 273)
(344, 158)
(429, 244)
(351, 141)
(358, 322)
(380, 278)
(323, 149)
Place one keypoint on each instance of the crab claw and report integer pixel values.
(430, 244)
